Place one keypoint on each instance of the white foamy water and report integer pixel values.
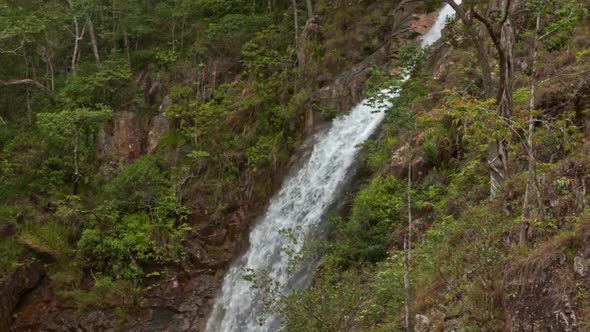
(300, 205)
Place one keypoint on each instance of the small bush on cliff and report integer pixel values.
(10, 253)
(377, 210)
(142, 224)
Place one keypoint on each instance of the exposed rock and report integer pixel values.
(197, 252)
(311, 32)
(180, 305)
(13, 288)
(40, 310)
(421, 23)
(237, 223)
(122, 141)
(158, 127)
(582, 265)
(400, 159)
(217, 238)
(345, 90)
(131, 135)
(97, 320)
(175, 305)
(451, 325)
(540, 291)
(422, 324)
(165, 105)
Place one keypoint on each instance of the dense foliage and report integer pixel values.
(225, 75)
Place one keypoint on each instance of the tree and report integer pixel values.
(295, 21)
(500, 30)
(309, 9)
(565, 19)
(69, 124)
(407, 252)
(78, 36)
(477, 41)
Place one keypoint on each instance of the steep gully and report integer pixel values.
(295, 214)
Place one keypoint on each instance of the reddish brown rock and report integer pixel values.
(13, 288)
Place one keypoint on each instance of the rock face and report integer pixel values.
(159, 125)
(179, 304)
(541, 293)
(422, 324)
(400, 159)
(421, 23)
(131, 135)
(311, 32)
(346, 89)
(13, 288)
(582, 264)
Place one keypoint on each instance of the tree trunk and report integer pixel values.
(295, 21)
(77, 175)
(503, 41)
(503, 38)
(498, 150)
(28, 81)
(93, 41)
(76, 45)
(126, 42)
(407, 284)
(78, 35)
(309, 9)
(524, 220)
(51, 72)
(407, 251)
(532, 165)
(482, 57)
(29, 110)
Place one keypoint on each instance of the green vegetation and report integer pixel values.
(92, 188)
(468, 265)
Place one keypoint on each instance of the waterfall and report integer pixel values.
(300, 206)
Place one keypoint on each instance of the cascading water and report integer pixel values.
(299, 205)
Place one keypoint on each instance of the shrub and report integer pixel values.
(141, 224)
(10, 253)
(141, 185)
(377, 209)
(52, 239)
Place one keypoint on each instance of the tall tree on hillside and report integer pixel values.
(295, 21)
(309, 9)
(499, 28)
(79, 31)
(556, 31)
(25, 31)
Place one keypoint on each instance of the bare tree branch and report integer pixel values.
(28, 81)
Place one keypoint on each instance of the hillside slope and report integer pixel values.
(139, 140)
